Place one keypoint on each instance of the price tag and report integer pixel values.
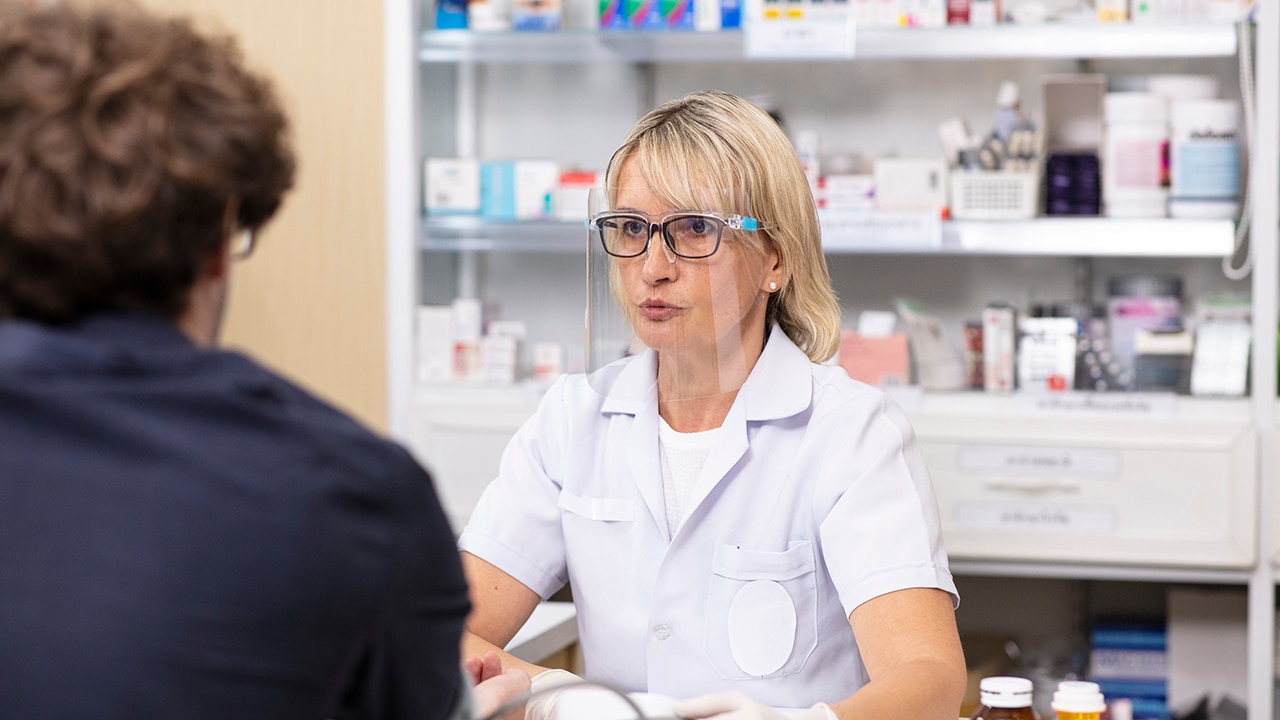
(880, 230)
(797, 29)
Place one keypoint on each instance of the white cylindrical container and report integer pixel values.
(1133, 164)
(1204, 158)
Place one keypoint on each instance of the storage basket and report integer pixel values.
(981, 195)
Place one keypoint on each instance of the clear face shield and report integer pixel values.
(680, 279)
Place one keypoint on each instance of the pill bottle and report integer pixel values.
(1004, 698)
(1136, 140)
(1078, 700)
(1204, 159)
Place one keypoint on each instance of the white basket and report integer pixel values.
(978, 195)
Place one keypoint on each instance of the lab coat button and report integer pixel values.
(662, 632)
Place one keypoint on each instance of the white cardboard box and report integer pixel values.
(1208, 645)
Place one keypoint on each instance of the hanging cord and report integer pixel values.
(1244, 40)
(512, 704)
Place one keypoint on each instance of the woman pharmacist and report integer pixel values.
(740, 525)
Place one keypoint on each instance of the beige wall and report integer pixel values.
(311, 301)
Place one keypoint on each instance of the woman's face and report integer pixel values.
(677, 304)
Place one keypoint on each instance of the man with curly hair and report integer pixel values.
(183, 533)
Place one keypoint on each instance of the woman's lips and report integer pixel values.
(658, 310)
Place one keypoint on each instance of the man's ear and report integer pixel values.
(217, 265)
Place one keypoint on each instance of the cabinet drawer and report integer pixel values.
(1112, 491)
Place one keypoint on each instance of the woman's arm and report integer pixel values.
(500, 605)
(910, 646)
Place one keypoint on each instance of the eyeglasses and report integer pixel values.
(689, 235)
(243, 244)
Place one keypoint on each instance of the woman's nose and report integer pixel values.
(659, 260)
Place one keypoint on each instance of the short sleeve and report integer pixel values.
(516, 524)
(883, 532)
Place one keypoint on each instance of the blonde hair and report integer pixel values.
(713, 149)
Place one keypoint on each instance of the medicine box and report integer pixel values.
(536, 14)
(451, 186)
(911, 183)
(882, 361)
(849, 192)
(1072, 105)
(535, 189)
(498, 190)
(574, 193)
(434, 336)
(651, 15)
(612, 15)
(1047, 354)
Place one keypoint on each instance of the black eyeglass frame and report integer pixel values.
(733, 222)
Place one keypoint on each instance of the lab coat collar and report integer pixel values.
(779, 385)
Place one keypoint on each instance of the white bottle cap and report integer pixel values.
(1184, 87)
(1005, 692)
(1075, 696)
(1007, 96)
(1135, 107)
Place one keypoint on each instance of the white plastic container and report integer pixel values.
(1178, 87)
(1204, 156)
(1134, 180)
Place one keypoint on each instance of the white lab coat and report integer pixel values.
(814, 499)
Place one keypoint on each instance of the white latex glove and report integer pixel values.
(737, 706)
(542, 706)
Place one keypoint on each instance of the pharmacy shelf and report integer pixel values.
(1021, 42)
(1069, 571)
(1142, 407)
(882, 234)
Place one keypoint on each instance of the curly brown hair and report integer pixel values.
(124, 139)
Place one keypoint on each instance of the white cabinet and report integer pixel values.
(1174, 489)
(1183, 496)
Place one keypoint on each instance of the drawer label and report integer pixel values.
(1021, 460)
(1045, 518)
(1080, 403)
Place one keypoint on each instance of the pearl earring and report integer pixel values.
(773, 286)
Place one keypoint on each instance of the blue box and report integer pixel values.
(498, 190)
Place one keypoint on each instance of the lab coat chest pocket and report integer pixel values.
(762, 611)
(597, 508)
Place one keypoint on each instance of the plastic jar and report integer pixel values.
(1078, 700)
(1004, 698)
(1204, 158)
(1133, 165)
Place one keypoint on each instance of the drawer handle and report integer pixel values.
(1034, 484)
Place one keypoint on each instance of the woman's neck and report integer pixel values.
(696, 390)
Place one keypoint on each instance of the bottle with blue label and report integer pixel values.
(1204, 159)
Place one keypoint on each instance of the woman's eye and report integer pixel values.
(699, 226)
(634, 227)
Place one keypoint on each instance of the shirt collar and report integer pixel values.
(97, 340)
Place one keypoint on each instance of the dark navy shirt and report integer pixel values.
(184, 534)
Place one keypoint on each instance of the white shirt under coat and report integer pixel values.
(814, 498)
